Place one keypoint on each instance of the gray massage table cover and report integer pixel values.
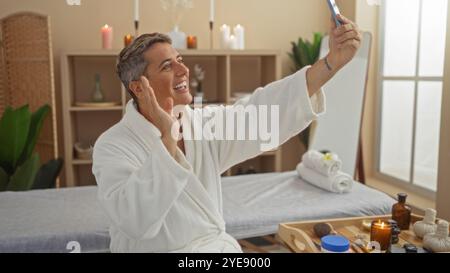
(254, 205)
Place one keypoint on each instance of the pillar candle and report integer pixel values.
(212, 10)
(239, 33)
(224, 36)
(107, 37)
(136, 10)
(232, 42)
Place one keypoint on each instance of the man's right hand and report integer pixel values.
(161, 117)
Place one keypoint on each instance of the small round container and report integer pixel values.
(335, 244)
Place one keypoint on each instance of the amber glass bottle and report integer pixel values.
(401, 212)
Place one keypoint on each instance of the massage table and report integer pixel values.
(254, 205)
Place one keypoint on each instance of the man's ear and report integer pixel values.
(135, 87)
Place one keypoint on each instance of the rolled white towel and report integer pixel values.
(326, 164)
(340, 183)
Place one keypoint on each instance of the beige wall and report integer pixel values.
(269, 24)
(347, 8)
(443, 194)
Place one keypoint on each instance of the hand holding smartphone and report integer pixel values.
(334, 11)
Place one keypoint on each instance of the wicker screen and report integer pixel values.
(26, 72)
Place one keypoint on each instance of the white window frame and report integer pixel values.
(407, 185)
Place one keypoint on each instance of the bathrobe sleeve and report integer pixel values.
(296, 111)
(137, 196)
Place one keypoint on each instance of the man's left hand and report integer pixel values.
(345, 41)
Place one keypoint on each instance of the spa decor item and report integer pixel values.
(381, 232)
(239, 33)
(302, 236)
(107, 37)
(225, 33)
(304, 53)
(83, 151)
(97, 94)
(335, 244)
(177, 9)
(136, 18)
(323, 229)
(428, 225)
(197, 81)
(192, 42)
(235, 41)
(395, 231)
(211, 23)
(438, 241)
(20, 167)
(127, 40)
(401, 212)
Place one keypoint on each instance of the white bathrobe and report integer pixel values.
(159, 204)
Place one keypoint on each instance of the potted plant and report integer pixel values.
(20, 168)
(305, 53)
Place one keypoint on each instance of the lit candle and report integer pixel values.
(381, 232)
(107, 37)
(211, 11)
(136, 10)
(233, 42)
(224, 36)
(128, 40)
(240, 38)
(191, 42)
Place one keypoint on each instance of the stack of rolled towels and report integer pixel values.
(324, 171)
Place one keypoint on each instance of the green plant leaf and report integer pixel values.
(4, 178)
(14, 128)
(37, 120)
(304, 54)
(23, 178)
(47, 175)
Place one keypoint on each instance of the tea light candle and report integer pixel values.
(192, 42)
(381, 232)
(107, 37)
(128, 39)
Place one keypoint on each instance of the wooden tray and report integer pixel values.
(300, 237)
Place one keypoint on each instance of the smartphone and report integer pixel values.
(334, 11)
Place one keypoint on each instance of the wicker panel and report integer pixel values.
(3, 99)
(26, 73)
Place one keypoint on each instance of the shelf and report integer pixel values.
(85, 109)
(82, 161)
(229, 73)
(220, 52)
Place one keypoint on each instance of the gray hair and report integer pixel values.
(131, 64)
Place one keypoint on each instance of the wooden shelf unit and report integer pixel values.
(227, 72)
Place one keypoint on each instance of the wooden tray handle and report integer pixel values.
(301, 242)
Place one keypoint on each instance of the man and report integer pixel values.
(161, 192)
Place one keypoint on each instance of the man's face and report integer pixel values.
(167, 74)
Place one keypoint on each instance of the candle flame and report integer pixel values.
(382, 225)
(106, 26)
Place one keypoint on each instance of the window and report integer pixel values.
(413, 34)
